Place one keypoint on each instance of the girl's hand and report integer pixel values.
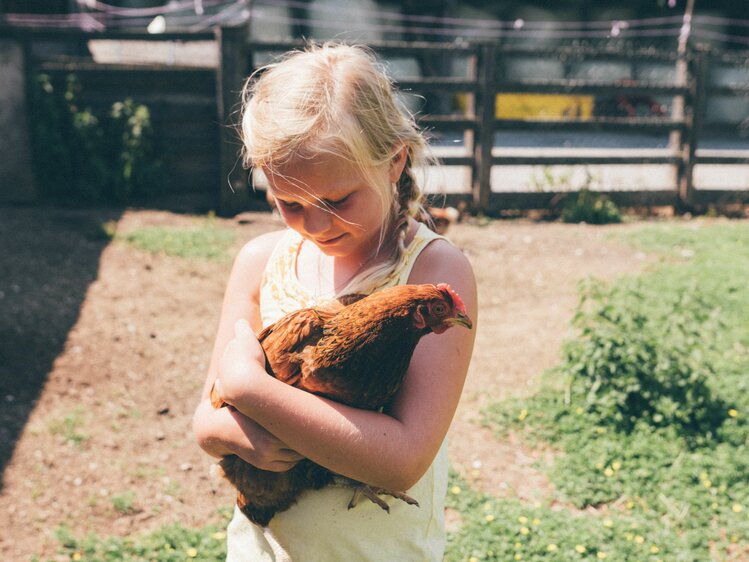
(242, 364)
(225, 431)
(261, 448)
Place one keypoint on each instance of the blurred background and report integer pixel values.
(522, 101)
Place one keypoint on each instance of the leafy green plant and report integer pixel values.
(635, 361)
(123, 502)
(87, 157)
(590, 207)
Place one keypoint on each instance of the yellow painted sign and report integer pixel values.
(543, 106)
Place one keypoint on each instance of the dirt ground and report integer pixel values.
(104, 348)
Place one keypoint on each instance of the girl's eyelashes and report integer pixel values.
(288, 206)
(337, 202)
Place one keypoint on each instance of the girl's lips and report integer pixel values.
(330, 241)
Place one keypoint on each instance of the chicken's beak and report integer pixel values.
(460, 319)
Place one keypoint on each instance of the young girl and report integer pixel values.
(325, 128)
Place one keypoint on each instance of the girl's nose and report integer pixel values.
(316, 220)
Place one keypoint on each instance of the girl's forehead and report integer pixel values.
(322, 175)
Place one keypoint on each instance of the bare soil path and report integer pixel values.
(104, 349)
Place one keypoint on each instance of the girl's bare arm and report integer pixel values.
(225, 431)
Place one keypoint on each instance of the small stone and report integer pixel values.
(185, 466)
(163, 409)
(160, 435)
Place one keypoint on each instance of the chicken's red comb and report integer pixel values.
(457, 301)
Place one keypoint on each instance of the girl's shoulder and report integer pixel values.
(439, 255)
(257, 252)
(442, 262)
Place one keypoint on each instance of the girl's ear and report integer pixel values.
(398, 163)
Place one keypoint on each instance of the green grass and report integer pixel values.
(203, 241)
(172, 543)
(69, 426)
(649, 404)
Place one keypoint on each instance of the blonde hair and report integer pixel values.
(337, 99)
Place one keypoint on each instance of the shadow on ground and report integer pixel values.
(48, 259)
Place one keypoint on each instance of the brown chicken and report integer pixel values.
(356, 352)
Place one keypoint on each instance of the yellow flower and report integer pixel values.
(536, 521)
(522, 520)
(473, 559)
(192, 552)
(579, 410)
(523, 414)
(714, 505)
(639, 539)
(518, 545)
(629, 536)
(737, 508)
(489, 518)
(616, 465)
(580, 548)
(600, 430)
(601, 555)
(733, 413)
(707, 483)
(488, 506)
(455, 490)
(552, 547)
(654, 549)
(219, 535)
(524, 530)
(77, 556)
(630, 504)
(599, 465)
(608, 472)
(608, 523)
(703, 475)
(518, 556)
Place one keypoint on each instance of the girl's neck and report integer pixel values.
(326, 276)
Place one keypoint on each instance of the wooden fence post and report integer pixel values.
(230, 75)
(698, 83)
(484, 137)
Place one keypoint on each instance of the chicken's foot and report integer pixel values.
(372, 493)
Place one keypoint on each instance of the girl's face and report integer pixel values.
(327, 201)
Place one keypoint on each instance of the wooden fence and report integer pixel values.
(480, 125)
(195, 111)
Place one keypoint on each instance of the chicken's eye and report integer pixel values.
(439, 308)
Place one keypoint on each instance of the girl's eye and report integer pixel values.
(287, 206)
(338, 202)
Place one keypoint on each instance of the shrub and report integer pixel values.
(592, 208)
(634, 362)
(84, 157)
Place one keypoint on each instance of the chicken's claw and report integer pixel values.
(372, 493)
